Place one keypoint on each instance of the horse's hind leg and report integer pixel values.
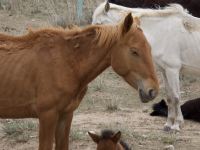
(47, 125)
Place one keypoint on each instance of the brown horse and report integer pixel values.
(45, 73)
(108, 140)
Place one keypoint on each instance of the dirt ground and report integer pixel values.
(109, 104)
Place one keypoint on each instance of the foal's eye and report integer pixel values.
(134, 53)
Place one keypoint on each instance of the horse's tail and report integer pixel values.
(160, 109)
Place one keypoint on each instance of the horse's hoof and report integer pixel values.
(167, 128)
(175, 128)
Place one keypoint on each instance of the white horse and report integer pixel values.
(174, 36)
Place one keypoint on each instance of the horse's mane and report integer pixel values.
(171, 9)
(107, 134)
(32, 34)
(108, 35)
(103, 35)
(189, 22)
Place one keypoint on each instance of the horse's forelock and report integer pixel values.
(107, 134)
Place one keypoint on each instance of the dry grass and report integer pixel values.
(18, 130)
(60, 12)
(112, 104)
(76, 134)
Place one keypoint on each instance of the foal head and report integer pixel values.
(108, 140)
(131, 58)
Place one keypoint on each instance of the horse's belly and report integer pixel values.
(190, 53)
(190, 63)
(18, 111)
(193, 70)
(16, 101)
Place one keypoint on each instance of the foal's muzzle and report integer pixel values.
(146, 97)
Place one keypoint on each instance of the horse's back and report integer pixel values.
(193, 6)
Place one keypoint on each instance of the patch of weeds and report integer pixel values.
(77, 135)
(98, 84)
(169, 139)
(112, 104)
(19, 131)
(138, 136)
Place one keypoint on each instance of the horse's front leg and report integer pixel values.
(64, 123)
(47, 126)
(63, 130)
(175, 117)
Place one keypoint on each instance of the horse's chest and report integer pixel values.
(75, 101)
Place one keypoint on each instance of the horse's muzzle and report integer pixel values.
(147, 97)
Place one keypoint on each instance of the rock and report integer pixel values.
(145, 110)
(169, 147)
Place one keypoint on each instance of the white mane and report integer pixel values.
(190, 22)
(172, 9)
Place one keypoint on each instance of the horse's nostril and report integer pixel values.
(152, 93)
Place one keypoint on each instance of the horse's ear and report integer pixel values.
(107, 6)
(94, 136)
(128, 21)
(116, 137)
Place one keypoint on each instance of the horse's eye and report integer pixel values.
(134, 53)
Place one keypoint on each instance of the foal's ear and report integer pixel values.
(116, 137)
(128, 21)
(94, 136)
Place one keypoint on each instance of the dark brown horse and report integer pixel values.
(108, 140)
(45, 73)
(193, 6)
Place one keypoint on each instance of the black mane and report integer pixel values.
(107, 134)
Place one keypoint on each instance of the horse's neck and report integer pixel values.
(96, 64)
(97, 57)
